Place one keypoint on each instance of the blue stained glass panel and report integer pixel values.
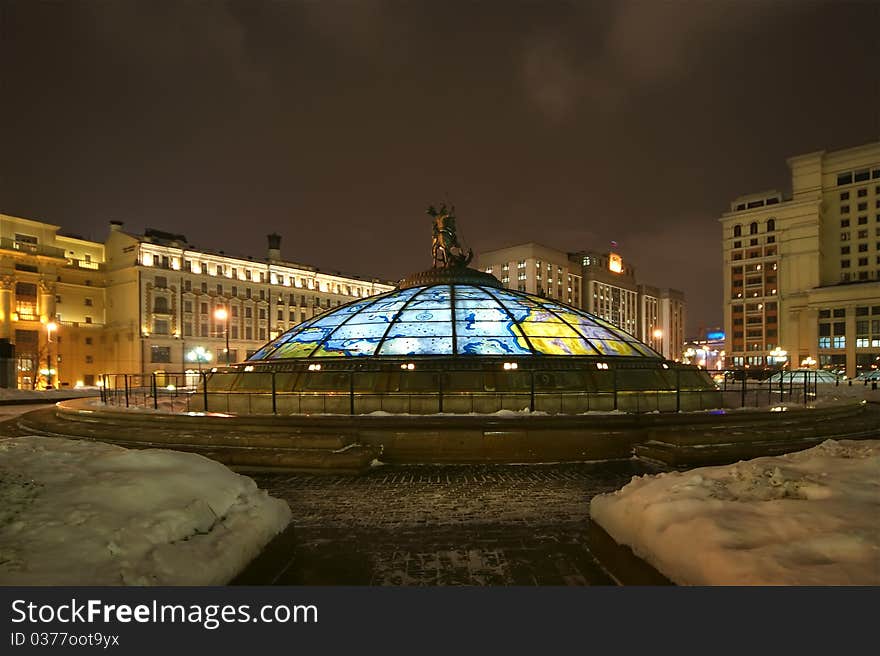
(420, 315)
(421, 329)
(360, 331)
(490, 345)
(493, 328)
(416, 346)
(348, 347)
(482, 314)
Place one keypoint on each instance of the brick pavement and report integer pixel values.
(448, 524)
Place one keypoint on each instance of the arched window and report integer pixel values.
(160, 305)
(753, 228)
(737, 230)
(771, 225)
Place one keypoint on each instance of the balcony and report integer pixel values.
(84, 264)
(31, 249)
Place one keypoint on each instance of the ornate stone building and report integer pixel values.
(802, 272)
(74, 308)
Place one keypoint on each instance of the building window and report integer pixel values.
(844, 209)
(234, 332)
(187, 285)
(187, 306)
(771, 225)
(160, 305)
(844, 195)
(753, 228)
(844, 223)
(187, 329)
(204, 288)
(160, 354)
(737, 230)
(160, 327)
(203, 308)
(88, 320)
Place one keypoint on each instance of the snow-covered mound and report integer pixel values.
(48, 396)
(87, 513)
(807, 518)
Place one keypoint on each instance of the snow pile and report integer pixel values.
(807, 518)
(7, 394)
(87, 513)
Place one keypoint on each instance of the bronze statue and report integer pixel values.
(445, 249)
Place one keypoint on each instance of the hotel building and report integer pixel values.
(802, 272)
(600, 283)
(74, 309)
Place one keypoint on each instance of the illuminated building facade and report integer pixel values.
(603, 284)
(535, 269)
(75, 308)
(51, 303)
(170, 300)
(802, 273)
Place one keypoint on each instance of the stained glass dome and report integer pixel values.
(453, 320)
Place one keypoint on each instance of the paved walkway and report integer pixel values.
(448, 525)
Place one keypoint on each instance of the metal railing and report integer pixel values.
(268, 393)
(31, 249)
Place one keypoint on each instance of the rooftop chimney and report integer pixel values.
(274, 246)
(116, 225)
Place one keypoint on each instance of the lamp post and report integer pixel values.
(50, 327)
(199, 355)
(658, 339)
(222, 314)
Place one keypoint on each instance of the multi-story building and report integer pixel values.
(535, 269)
(143, 303)
(51, 303)
(802, 272)
(171, 302)
(600, 283)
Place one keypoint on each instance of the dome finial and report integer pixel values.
(445, 249)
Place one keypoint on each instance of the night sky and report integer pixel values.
(336, 123)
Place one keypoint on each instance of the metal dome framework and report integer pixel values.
(453, 320)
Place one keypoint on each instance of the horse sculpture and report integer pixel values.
(445, 249)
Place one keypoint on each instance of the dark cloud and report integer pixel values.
(336, 122)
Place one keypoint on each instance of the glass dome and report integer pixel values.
(453, 320)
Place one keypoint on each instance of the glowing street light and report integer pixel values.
(199, 354)
(222, 314)
(50, 328)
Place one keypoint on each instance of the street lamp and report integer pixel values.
(222, 314)
(199, 354)
(50, 328)
(658, 338)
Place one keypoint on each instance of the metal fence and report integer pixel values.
(268, 393)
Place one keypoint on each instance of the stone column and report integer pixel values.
(46, 306)
(850, 340)
(7, 284)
